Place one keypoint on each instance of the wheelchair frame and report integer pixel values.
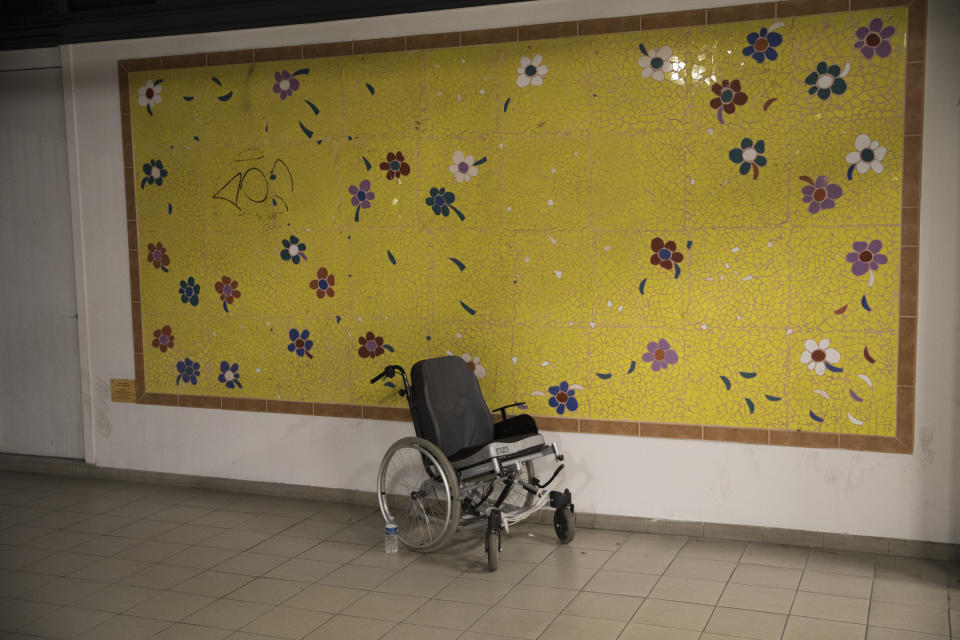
(430, 498)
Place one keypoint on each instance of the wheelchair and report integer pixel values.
(463, 470)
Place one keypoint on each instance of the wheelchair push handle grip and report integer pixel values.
(388, 372)
(391, 370)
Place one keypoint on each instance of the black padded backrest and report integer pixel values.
(451, 412)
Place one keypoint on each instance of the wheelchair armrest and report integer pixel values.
(503, 409)
(520, 425)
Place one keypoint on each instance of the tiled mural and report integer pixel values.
(695, 225)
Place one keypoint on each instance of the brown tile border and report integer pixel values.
(181, 62)
(132, 238)
(134, 276)
(548, 30)
(909, 270)
(127, 140)
(286, 406)
(385, 413)
(130, 195)
(138, 366)
(243, 404)
(137, 331)
(734, 434)
(140, 64)
(601, 26)
(913, 100)
(909, 227)
(671, 19)
(554, 423)
(793, 8)
(610, 427)
(200, 402)
(139, 382)
(907, 360)
(337, 410)
(906, 415)
(490, 36)
(810, 439)
(432, 41)
(917, 31)
(912, 164)
(162, 399)
(230, 57)
(328, 50)
(742, 13)
(859, 5)
(379, 45)
(875, 444)
(123, 83)
(679, 431)
(909, 280)
(278, 53)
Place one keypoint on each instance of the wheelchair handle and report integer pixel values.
(389, 372)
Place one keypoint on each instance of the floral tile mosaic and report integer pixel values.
(697, 225)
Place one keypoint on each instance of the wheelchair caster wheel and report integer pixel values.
(493, 550)
(564, 524)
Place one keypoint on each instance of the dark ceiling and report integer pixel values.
(45, 23)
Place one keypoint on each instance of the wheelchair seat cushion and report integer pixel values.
(450, 410)
(523, 440)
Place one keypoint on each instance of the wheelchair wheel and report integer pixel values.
(493, 550)
(418, 491)
(564, 523)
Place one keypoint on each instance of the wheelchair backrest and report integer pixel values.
(450, 410)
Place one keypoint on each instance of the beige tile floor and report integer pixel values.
(99, 560)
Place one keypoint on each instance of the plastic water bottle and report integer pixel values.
(391, 541)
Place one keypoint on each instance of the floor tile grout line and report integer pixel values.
(803, 569)
(663, 573)
(873, 582)
(716, 605)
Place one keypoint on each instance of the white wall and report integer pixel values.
(903, 496)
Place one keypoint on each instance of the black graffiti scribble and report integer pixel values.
(234, 185)
(248, 155)
(261, 180)
(253, 186)
(273, 171)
